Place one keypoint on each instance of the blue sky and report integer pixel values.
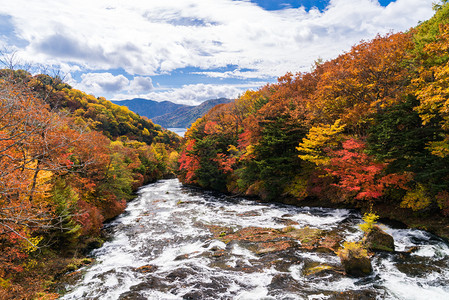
(188, 51)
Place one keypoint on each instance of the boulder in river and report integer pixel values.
(378, 240)
(355, 260)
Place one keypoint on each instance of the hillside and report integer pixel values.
(368, 129)
(183, 117)
(69, 162)
(150, 108)
(169, 114)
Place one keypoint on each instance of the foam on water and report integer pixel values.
(166, 227)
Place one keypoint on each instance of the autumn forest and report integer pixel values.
(368, 130)
(69, 162)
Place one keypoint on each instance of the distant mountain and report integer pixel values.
(169, 114)
(150, 108)
(183, 117)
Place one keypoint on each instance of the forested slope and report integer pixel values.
(184, 117)
(370, 127)
(68, 162)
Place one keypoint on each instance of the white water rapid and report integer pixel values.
(161, 248)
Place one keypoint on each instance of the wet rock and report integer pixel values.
(260, 240)
(284, 263)
(194, 295)
(412, 249)
(252, 213)
(330, 242)
(253, 234)
(378, 240)
(257, 265)
(357, 266)
(186, 256)
(285, 221)
(182, 202)
(416, 269)
(131, 296)
(355, 295)
(219, 253)
(181, 273)
(218, 231)
(369, 280)
(267, 240)
(91, 245)
(275, 246)
(215, 248)
(355, 260)
(209, 290)
(150, 283)
(309, 237)
(147, 269)
(284, 282)
(70, 278)
(230, 245)
(206, 244)
(103, 276)
(304, 233)
(315, 269)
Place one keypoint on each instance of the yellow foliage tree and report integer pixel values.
(318, 138)
(432, 89)
(416, 199)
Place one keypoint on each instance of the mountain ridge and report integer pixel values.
(183, 117)
(169, 114)
(149, 108)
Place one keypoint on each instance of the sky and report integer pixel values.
(189, 51)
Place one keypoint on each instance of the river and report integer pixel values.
(162, 248)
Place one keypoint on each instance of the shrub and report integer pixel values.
(370, 220)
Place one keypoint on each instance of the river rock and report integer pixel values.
(355, 295)
(378, 240)
(180, 273)
(355, 260)
(147, 269)
(193, 295)
(357, 266)
(284, 282)
(131, 296)
(285, 221)
(315, 269)
(151, 282)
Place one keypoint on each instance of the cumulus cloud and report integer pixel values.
(63, 46)
(194, 94)
(107, 83)
(98, 83)
(171, 34)
(140, 85)
(148, 37)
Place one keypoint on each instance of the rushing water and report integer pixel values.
(161, 249)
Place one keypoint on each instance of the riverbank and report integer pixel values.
(283, 234)
(174, 242)
(398, 217)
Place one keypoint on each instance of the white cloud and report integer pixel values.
(194, 94)
(107, 83)
(140, 85)
(234, 74)
(97, 83)
(149, 37)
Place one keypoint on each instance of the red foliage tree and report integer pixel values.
(189, 163)
(359, 175)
